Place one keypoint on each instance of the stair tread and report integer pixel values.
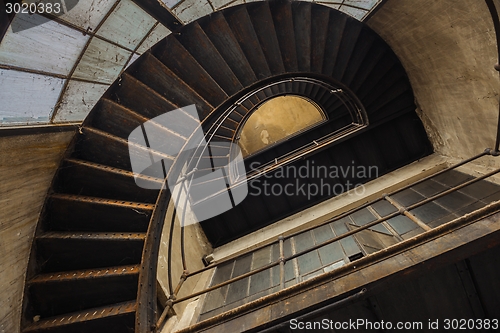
(110, 169)
(240, 23)
(103, 201)
(139, 118)
(117, 309)
(221, 35)
(302, 29)
(285, 33)
(85, 274)
(155, 74)
(126, 142)
(124, 236)
(262, 20)
(150, 103)
(320, 16)
(175, 56)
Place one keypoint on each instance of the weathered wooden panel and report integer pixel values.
(27, 165)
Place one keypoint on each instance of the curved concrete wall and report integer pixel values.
(27, 165)
(448, 48)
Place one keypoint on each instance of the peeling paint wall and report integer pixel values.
(27, 165)
(448, 49)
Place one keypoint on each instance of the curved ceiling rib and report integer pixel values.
(95, 235)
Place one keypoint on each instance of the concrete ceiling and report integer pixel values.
(448, 49)
(53, 72)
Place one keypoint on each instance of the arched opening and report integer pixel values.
(276, 120)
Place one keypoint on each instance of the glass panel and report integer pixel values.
(261, 258)
(41, 45)
(220, 3)
(79, 98)
(222, 273)
(331, 253)
(310, 276)
(127, 25)
(349, 244)
(190, 10)
(481, 189)
(470, 208)
(260, 281)
(429, 188)
(323, 233)
(170, 3)
(242, 265)
(303, 241)
(253, 297)
(331, 2)
(154, 37)
(215, 299)
(452, 178)
(384, 208)
(237, 290)
(402, 224)
(289, 265)
(455, 201)
(27, 98)
(358, 14)
(365, 4)
(334, 266)
(362, 217)
(87, 14)
(102, 62)
(407, 197)
(491, 198)
(134, 57)
(430, 212)
(442, 220)
(334, 5)
(308, 262)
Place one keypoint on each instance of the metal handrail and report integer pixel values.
(349, 212)
(204, 143)
(335, 239)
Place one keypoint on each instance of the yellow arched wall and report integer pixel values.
(277, 119)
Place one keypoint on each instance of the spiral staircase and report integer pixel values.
(88, 252)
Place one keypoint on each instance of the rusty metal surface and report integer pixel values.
(343, 215)
(86, 274)
(117, 310)
(422, 248)
(93, 236)
(101, 201)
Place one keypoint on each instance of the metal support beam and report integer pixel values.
(496, 24)
(282, 263)
(160, 12)
(403, 210)
(37, 129)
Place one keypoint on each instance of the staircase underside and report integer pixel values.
(93, 251)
